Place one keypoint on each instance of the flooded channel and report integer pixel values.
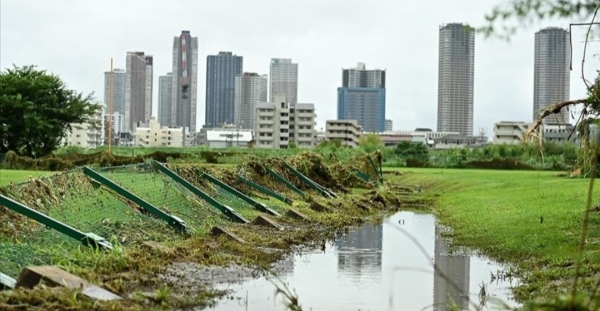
(378, 267)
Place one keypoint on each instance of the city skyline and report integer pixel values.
(321, 49)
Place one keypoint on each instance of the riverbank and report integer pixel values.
(156, 276)
(531, 220)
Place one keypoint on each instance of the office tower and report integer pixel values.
(118, 95)
(284, 79)
(551, 72)
(185, 80)
(138, 90)
(362, 97)
(165, 99)
(221, 71)
(250, 89)
(456, 79)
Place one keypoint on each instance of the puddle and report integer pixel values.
(377, 267)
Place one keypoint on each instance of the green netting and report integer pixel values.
(75, 201)
(225, 197)
(164, 193)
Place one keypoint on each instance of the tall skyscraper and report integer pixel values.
(118, 94)
(250, 89)
(362, 97)
(221, 71)
(284, 79)
(185, 81)
(138, 90)
(552, 77)
(456, 79)
(165, 99)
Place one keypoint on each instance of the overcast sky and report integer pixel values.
(76, 39)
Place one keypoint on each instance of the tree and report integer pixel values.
(528, 11)
(408, 150)
(370, 143)
(36, 110)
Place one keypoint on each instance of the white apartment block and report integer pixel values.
(250, 89)
(152, 134)
(510, 132)
(117, 123)
(279, 123)
(348, 132)
(88, 134)
(284, 79)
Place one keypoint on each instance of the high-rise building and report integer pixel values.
(221, 71)
(138, 90)
(284, 79)
(551, 72)
(456, 79)
(165, 98)
(250, 89)
(185, 81)
(118, 94)
(362, 97)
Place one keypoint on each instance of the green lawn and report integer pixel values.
(8, 176)
(500, 213)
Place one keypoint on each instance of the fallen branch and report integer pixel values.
(553, 109)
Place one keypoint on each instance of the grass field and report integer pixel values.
(530, 219)
(8, 176)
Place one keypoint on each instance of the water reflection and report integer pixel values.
(456, 267)
(359, 254)
(376, 267)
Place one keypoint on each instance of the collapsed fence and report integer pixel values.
(150, 202)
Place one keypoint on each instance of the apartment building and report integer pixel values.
(250, 89)
(456, 76)
(552, 76)
(152, 134)
(510, 132)
(89, 134)
(362, 97)
(119, 81)
(138, 89)
(348, 132)
(284, 79)
(279, 123)
(389, 125)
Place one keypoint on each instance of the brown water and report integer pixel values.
(378, 267)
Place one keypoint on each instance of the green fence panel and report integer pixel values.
(286, 182)
(226, 210)
(309, 182)
(265, 190)
(171, 220)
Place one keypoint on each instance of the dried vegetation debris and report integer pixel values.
(137, 267)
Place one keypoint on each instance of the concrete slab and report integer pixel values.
(293, 213)
(54, 276)
(217, 230)
(155, 246)
(264, 221)
(6, 282)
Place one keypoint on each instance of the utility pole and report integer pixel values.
(110, 105)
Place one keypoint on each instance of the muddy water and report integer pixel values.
(378, 267)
